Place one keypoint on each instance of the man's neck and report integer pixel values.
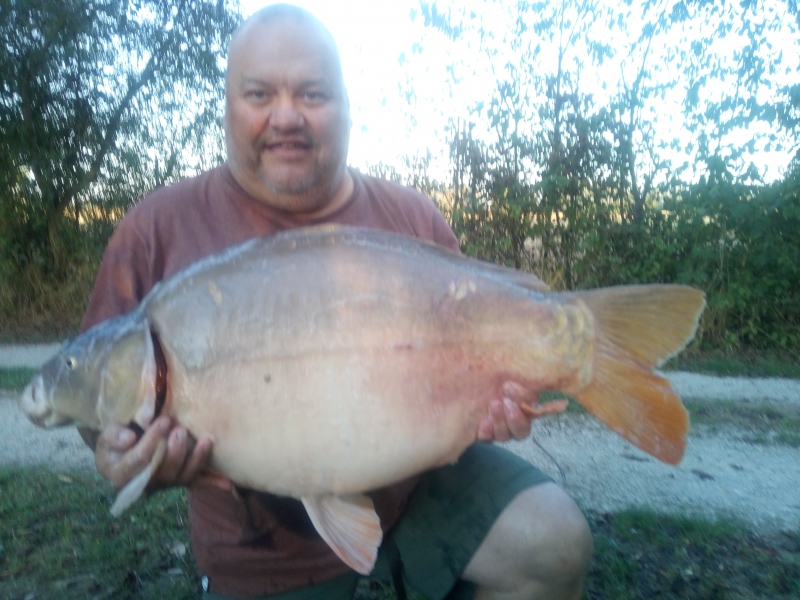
(339, 199)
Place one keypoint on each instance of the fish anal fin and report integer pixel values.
(350, 526)
(638, 405)
(136, 486)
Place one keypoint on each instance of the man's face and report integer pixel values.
(287, 120)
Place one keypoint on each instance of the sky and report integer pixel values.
(374, 36)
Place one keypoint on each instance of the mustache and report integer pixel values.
(300, 137)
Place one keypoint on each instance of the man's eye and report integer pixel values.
(315, 97)
(255, 94)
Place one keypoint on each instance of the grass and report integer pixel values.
(742, 364)
(642, 554)
(15, 379)
(58, 541)
(759, 423)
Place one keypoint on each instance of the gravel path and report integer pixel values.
(721, 474)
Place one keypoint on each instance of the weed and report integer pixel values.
(759, 423)
(741, 364)
(15, 379)
(59, 541)
(644, 554)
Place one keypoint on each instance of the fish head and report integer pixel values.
(107, 374)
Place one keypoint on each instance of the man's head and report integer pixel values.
(287, 116)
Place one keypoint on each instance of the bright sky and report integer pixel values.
(372, 35)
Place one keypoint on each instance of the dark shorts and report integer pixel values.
(448, 516)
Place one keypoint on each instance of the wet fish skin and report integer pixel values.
(331, 361)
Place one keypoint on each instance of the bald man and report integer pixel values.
(490, 526)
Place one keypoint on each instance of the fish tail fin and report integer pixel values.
(638, 328)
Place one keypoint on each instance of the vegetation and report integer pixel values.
(585, 185)
(15, 379)
(101, 101)
(59, 541)
(758, 423)
(547, 173)
(743, 363)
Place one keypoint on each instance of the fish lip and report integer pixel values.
(34, 404)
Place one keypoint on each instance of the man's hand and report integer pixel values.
(507, 419)
(120, 456)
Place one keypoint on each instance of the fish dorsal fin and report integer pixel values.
(136, 486)
(350, 526)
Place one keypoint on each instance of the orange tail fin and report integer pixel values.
(638, 328)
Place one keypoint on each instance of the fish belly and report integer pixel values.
(343, 369)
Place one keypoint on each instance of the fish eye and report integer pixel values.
(71, 362)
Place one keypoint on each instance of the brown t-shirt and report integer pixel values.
(256, 544)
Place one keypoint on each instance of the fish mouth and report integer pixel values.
(33, 402)
(36, 407)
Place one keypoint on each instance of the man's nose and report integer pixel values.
(285, 113)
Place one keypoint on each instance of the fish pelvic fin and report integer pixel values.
(637, 328)
(350, 526)
(136, 486)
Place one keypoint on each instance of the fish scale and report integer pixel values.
(327, 362)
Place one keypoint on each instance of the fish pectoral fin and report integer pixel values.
(136, 486)
(350, 526)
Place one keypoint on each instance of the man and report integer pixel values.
(491, 526)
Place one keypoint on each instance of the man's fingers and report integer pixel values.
(519, 393)
(517, 422)
(119, 463)
(196, 461)
(116, 437)
(485, 430)
(173, 459)
(497, 413)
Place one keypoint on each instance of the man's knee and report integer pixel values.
(561, 544)
(540, 542)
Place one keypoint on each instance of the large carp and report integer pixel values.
(330, 361)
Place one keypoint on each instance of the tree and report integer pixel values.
(100, 100)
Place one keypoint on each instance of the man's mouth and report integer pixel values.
(287, 145)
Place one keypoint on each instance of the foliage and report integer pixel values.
(101, 101)
(582, 187)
